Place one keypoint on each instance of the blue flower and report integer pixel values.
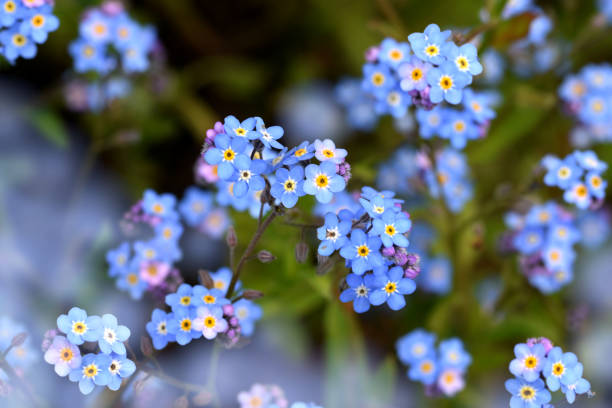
(39, 23)
(333, 234)
(322, 181)
(395, 103)
(414, 346)
(234, 128)
(363, 252)
(413, 74)
(225, 153)
(118, 260)
(17, 45)
(452, 354)
(93, 371)
(425, 370)
(447, 83)
(561, 173)
(289, 185)
(575, 384)
(195, 205)
(125, 31)
(10, 11)
(578, 194)
(459, 128)
(428, 45)
(479, 105)
(377, 205)
(181, 326)
(465, 57)
(431, 121)
(528, 362)
(131, 282)
(96, 27)
(377, 79)
(558, 368)
(436, 275)
(267, 135)
(589, 162)
(168, 232)
(391, 228)
(393, 53)
(79, 327)
(529, 240)
(326, 151)
(90, 57)
(358, 291)
(112, 335)
(120, 367)
(208, 297)
(391, 286)
(158, 328)
(249, 175)
(305, 151)
(247, 312)
(527, 394)
(222, 279)
(181, 299)
(159, 205)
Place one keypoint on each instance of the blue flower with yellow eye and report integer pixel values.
(181, 325)
(447, 83)
(413, 73)
(225, 153)
(527, 394)
(479, 105)
(159, 205)
(558, 368)
(529, 240)
(358, 291)
(414, 346)
(390, 287)
(96, 27)
(362, 251)
(596, 185)
(459, 128)
(17, 45)
(248, 313)
(182, 299)
(322, 181)
(391, 228)
(119, 368)
(452, 354)
(10, 11)
(222, 278)
(202, 296)
(235, 128)
(529, 361)
(431, 121)
(395, 103)
(333, 234)
(79, 327)
(289, 185)
(267, 135)
(249, 175)
(38, 23)
(561, 173)
(464, 57)
(131, 282)
(195, 205)
(158, 329)
(424, 370)
(90, 57)
(118, 260)
(377, 79)
(93, 371)
(429, 44)
(578, 194)
(304, 151)
(393, 53)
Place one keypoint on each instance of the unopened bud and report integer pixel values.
(19, 339)
(228, 310)
(231, 239)
(301, 252)
(145, 346)
(325, 264)
(251, 294)
(181, 402)
(265, 256)
(206, 279)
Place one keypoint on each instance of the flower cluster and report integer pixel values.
(458, 126)
(15, 347)
(248, 160)
(441, 370)
(374, 245)
(579, 174)
(23, 25)
(198, 210)
(112, 45)
(108, 367)
(269, 396)
(540, 367)
(200, 310)
(148, 265)
(545, 237)
(586, 96)
(448, 177)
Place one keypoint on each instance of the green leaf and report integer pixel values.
(512, 30)
(50, 126)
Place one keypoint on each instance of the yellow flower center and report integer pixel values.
(158, 208)
(416, 74)
(596, 181)
(185, 300)
(123, 32)
(459, 126)
(396, 54)
(66, 354)
(390, 230)
(322, 180)
(378, 78)
(578, 89)
(363, 251)
(9, 7)
(90, 371)
(432, 50)
(88, 51)
(132, 279)
(229, 154)
(289, 185)
(563, 172)
(581, 191)
(462, 63)
(446, 82)
(555, 255)
(210, 322)
(38, 20)
(390, 287)
(240, 131)
(328, 153)
(449, 378)
(544, 216)
(152, 270)
(527, 393)
(219, 284)
(426, 367)
(531, 362)
(597, 106)
(256, 402)
(300, 152)
(99, 29)
(167, 233)
(79, 327)
(186, 324)
(558, 369)
(209, 299)
(442, 178)
(476, 107)
(19, 40)
(149, 253)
